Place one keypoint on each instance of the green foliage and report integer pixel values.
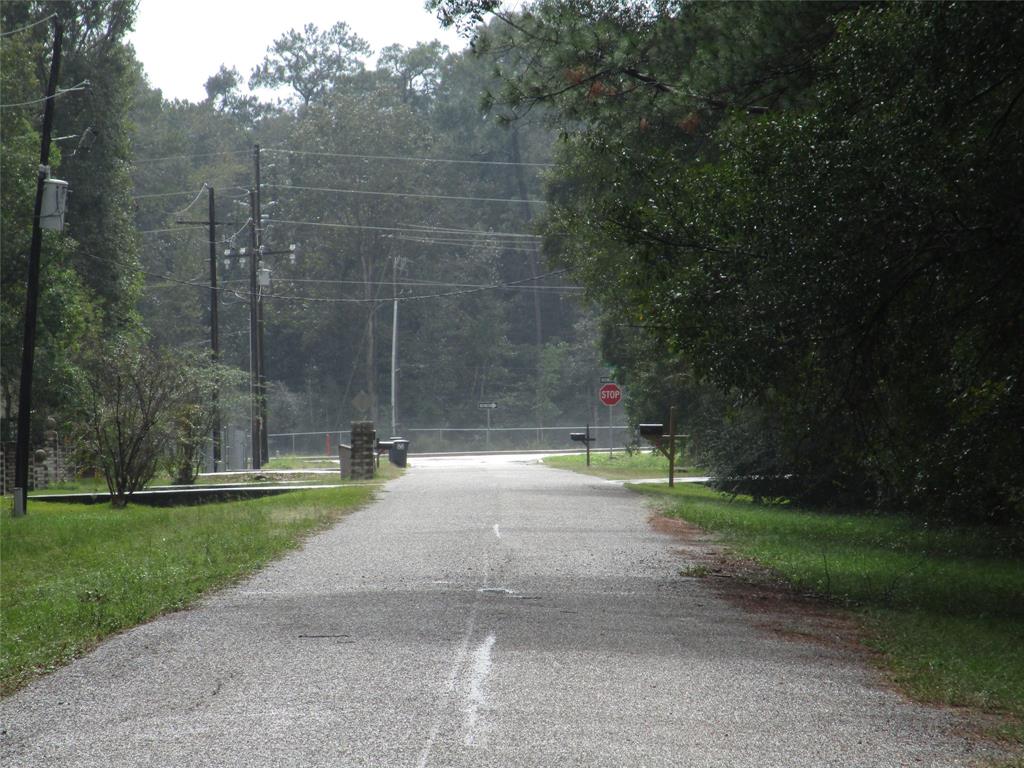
(944, 604)
(801, 220)
(88, 274)
(311, 61)
(137, 407)
(74, 574)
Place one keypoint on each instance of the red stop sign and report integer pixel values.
(610, 394)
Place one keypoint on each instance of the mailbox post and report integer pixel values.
(655, 434)
(585, 438)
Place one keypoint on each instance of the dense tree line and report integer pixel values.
(391, 181)
(802, 222)
(799, 221)
(90, 275)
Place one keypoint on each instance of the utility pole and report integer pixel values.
(214, 332)
(212, 223)
(394, 349)
(254, 347)
(32, 288)
(262, 382)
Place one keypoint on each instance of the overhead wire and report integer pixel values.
(455, 161)
(414, 228)
(84, 85)
(195, 200)
(181, 193)
(410, 283)
(29, 26)
(146, 160)
(424, 196)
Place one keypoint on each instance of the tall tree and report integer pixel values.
(312, 61)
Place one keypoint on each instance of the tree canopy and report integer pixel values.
(812, 212)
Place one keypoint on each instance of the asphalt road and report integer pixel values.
(483, 612)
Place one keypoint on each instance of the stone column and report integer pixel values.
(364, 439)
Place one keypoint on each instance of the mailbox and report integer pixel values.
(651, 431)
(580, 437)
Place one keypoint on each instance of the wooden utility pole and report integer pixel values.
(262, 382)
(254, 347)
(28, 350)
(214, 332)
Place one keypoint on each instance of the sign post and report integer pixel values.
(610, 394)
(488, 407)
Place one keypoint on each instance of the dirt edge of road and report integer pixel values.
(781, 609)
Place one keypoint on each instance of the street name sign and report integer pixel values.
(488, 406)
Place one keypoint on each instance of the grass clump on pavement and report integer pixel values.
(73, 574)
(945, 605)
(620, 465)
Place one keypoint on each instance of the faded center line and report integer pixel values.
(481, 669)
(457, 664)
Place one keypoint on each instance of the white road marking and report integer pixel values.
(453, 674)
(481, 669)
(497, 532)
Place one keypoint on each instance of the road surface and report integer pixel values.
(483, 612)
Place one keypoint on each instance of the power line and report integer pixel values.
(410, 283)
(413, 228)
(173, 194)
(33, 24)
(446, 294)
(85, 84)
(194, 200)
(406, 158)
(189, 157)
(377, 300)
(168, 229)
(412, 194)
(504, 246)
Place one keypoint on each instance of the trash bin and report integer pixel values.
(398, 453)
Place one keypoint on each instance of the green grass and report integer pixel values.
(298, 462)
(620, 465)
(267, 475)
(73, 574)
(944, 606)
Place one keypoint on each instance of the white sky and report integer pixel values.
(182, 42)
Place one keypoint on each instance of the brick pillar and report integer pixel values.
(364, 439)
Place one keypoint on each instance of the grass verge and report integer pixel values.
(73, 574)
(619, 466)
(944, 606)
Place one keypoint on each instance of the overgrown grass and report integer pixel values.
(620, 465)
(73, 574)
(945, 606)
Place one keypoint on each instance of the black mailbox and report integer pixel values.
(651, 431)
(579, 437)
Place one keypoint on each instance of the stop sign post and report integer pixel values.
(610, 394)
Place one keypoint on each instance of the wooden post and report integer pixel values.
(672, 446)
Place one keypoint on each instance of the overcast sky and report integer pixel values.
(182, 42)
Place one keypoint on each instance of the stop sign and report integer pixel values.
(610, 394)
